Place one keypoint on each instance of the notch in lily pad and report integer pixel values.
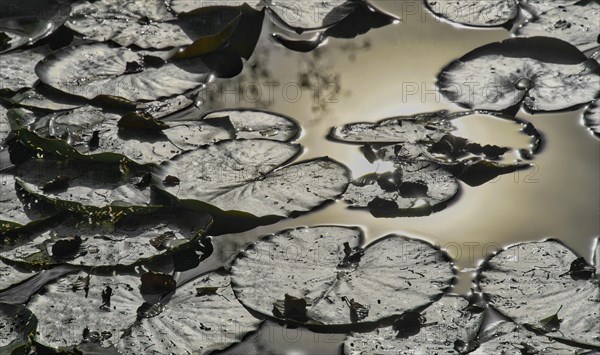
(522, 72)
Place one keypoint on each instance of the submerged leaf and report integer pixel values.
(491, 77)
(574, 23)
(98, 69)
(186, 324)
(245, 175)
(526, 281)
(394, 275)
(434, 330)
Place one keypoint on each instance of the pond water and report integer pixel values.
(391, 71)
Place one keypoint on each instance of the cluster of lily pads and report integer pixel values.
(112, 193)
(391, 296)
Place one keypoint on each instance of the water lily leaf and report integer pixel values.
(395, 274)
(245, 176)
(530, 282)
(490, 13)
(26, 23)
(413, 188)
(164, 107)
(146, 24)
(106, 244)
(537, 7)
(576, 24)
(251, 124)
(591, 118)
(186, 324)
(101, 190)
(502, 75)
(427, 127)
(184, 6)
(510, 338)
(17, 325)
(18, 68)
(10, 276)
(46, 98)
(311, 15)
(440, 327)
(482, 13)
(98, 69)
(19, 209)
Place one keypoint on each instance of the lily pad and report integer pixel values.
(311, 15)
(591, 118)
(18, 68)
(483, 13)
(146, 24)
(547, 287)
(26, 23)
(518, 71)
(17, 325)
(510, 338)
(46, 98)
(576, 24)
(246, 176)
(19, 209)
(92, 189)
(185, 6)
(251, 124)
(181, 323)
(322, 276)
(491, 13)
(105, 244)
(438, 329)
(10, 276)
(143, 139)
(99, 69)
(414, 188)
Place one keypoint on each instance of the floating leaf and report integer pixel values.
(519, 71)
(186, 324)
(591, 118)
(489, 13)
(529, 281)
(510, 338)
(312, 15)
(245, 175)
(19, 209)
(98, 69)
(133, 240)
(46, 98)
(395, 274)
(17, 325)
(482, 13)
(250, 124)
(10, 276)
(98, 189)
(27, 22)
(141, 121)
(144, 23)
(413, 188)
(184, 6)
(18, 68)
(437, 329)
(576, 24)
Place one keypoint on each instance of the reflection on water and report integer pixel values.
(392, 71)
